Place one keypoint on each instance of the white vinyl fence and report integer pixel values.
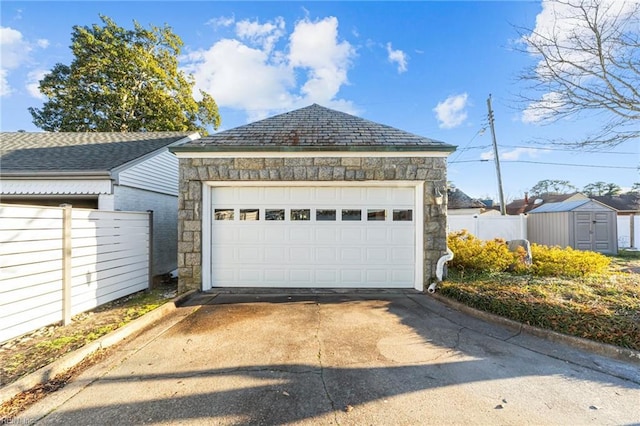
(629, 226)
(491, 226)
(56, 262)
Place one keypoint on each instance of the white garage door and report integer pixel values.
(314, 237)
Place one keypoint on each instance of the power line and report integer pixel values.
(543, 149)
(550, 164)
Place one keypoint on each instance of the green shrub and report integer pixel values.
(473, 254)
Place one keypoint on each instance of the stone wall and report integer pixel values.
(193, 171)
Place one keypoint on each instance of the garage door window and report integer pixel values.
(325, 214)
(249, 214)
(223, 214)
(402, 215)
(300, 214)
(274, 214)
(349, 214)
(376, 214)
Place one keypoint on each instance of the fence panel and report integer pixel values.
(490, 227)
(628, 225)
(109, 260)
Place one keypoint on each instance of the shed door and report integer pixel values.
(593, 231)
(352, 237)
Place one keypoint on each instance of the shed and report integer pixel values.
(312, 198)
(581, 224)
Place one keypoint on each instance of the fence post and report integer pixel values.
(66, 263)
(150, 282)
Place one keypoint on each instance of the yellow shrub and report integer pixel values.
(470, 253)
(474, 254)
(556, 261)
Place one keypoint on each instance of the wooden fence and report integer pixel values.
(56, 262)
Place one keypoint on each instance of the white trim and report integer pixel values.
(419, 221)
(55, 186)
(313, 154)
(208, 186)
(205, 238)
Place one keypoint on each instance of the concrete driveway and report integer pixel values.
(396, 358)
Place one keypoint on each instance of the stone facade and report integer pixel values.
(194, 171)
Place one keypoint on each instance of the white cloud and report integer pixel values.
(5, 88)
(515, 154)
(223, 21)
(543, 109)
(33, 83)
(266, 35)
(398, 57)
(15, 52)
(314, 46)
(451, 112)
(251, 73)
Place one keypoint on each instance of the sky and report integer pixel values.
(426, 67)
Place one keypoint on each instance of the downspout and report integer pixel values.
(440, 270)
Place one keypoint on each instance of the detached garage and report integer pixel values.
(314, 198)
(582, 224)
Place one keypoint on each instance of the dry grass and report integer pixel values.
(603, 307)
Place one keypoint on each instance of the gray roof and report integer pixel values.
(565, 206)
(459, 200)
(45, 152)
(314, 128)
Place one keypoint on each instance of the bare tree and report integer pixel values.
(589, 62)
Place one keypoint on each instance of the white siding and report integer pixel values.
(55, 186)
(158, 173)
(165, 223)
(109, 260)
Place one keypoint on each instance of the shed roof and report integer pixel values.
(314, 128)
(566, 206)
(60, 152)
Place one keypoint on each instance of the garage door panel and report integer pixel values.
(312, 253)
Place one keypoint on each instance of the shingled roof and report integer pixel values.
(314, 128)
(45, 152)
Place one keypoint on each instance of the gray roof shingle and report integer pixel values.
(314, 128)
(77, 152)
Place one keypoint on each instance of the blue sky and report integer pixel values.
(425, 67)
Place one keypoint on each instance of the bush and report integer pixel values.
(477, 255)
(556, 261)
(473, 254)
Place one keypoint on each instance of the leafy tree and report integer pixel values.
(635, 187)
(551, 186)
(589, 61)
(601, 188)
(123, 81)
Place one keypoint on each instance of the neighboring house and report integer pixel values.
(311, 198)
(527, 203)
(460, 203)
(626, 204)
(106, 171)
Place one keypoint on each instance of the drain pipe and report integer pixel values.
(440, 270)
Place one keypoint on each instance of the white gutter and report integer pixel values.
(440, 270)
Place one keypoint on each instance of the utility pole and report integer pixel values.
(503, 208)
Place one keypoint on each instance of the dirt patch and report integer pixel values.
(28, 353)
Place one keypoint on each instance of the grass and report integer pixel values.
(28, 353)
(603, 307)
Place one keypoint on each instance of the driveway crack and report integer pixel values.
(324, 383)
